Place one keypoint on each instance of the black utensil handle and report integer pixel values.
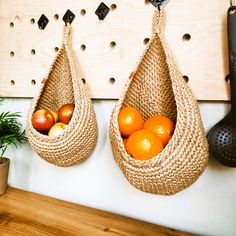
(232, 53)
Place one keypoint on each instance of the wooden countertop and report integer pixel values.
(24, 213)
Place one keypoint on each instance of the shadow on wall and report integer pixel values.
(21, 162)
(214, 166)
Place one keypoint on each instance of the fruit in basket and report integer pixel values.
(57, 129)
(129, 120)
(143, 145)
(42, 120)
(125, 141)
(55, 115)
(162, 126)
(65, 113)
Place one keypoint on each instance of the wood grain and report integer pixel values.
(28, 214)
(203, 58)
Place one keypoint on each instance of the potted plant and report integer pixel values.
(11, 133)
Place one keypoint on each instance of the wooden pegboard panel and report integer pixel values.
(107, 51)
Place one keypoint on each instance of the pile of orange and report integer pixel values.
(144, 140)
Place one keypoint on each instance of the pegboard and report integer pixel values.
(107, 51)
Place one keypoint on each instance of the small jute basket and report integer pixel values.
(156, 87)
(59, 87)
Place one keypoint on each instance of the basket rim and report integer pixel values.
(157, 160)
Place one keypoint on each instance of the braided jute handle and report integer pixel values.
(66, 34)
(157, 26)
(158, 21)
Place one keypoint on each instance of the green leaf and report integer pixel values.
(11, 132)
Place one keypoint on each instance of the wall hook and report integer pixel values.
(102, 11)
(42, 22)
(159, 3)
(232, 3)
(68, 17)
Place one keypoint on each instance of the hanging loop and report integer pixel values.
(67, 33)
(158, 21)
(232, 3)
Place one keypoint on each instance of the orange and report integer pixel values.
(129, 120)
(143, 145)
(125, 141)
(162, 126)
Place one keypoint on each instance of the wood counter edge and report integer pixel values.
(28, 213)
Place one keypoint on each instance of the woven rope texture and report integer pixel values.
(158, 87)
(62, 86)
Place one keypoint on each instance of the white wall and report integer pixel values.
(208, 207)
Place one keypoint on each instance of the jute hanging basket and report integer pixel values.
(157, 88)
(62, 86)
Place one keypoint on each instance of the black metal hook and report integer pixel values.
(102, 11)
(159, 3)
(232, 3)
(42, 22)
(68, 17)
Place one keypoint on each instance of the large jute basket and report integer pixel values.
(61, 86)
(157, 87)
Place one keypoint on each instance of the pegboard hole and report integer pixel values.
(227, 78)
(186, 37)
(186, 78)
(33, 82)
(11, 24)
(32, 21)
(33, 52)
(56, 49)
(12, 82)
(56, 17)
(83, 47)
(112, 44)
(112, 80)
(17, 18)
(113, 6)
(84, 81)
(146, 40)
(12, 54)
(83, 12)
